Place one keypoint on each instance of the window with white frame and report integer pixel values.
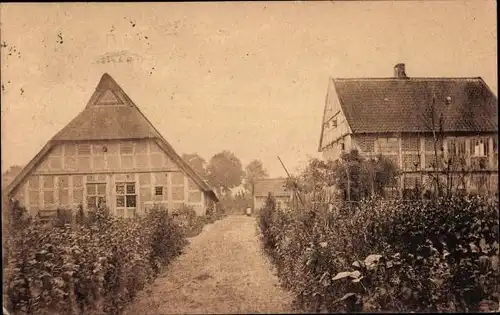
(96, 195)
(479, 147)
(126, 199)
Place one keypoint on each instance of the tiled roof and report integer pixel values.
(403, 104)
(275, 186)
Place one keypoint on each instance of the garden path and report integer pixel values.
(222, 270)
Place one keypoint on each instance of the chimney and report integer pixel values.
(399, 71)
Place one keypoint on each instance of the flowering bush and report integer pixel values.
(85, 265)
(435, 255)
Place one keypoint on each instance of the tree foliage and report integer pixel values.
(10, 173)
(353, 172)
(253, 171)
(364, 177)
(224, 171)
(197, 163)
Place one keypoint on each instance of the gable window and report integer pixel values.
(342, 146)
(126, 199)
(333, 123)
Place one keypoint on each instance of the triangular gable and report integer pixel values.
(107, 97)
(329, 110)
(109, 114)
(110, 122)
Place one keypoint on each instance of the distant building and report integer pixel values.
(393, 117)
(274, 186)
(110, 153)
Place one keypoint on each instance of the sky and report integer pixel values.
(249, 77)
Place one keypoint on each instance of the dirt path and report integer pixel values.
(222, 271)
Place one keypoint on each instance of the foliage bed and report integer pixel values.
(88, 264)
(435, 255)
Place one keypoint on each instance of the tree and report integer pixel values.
(254, 171)
(10, 174)
(317, 175)
(224, 171)
(359, 177)
(197, 163)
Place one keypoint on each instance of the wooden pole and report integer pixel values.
(298, 195)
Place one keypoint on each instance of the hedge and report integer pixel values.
(437, 255)
(92, 264)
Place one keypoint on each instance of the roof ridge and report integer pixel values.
(405, 79)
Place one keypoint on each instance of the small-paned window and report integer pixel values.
(158, 190)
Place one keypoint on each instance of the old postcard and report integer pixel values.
(249, 157)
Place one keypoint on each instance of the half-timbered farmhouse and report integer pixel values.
(110, 153)
(403, 118)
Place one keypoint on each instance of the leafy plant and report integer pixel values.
(90, 263)
(387, 255)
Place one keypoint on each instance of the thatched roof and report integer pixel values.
(111, 115)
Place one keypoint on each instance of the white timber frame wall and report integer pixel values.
(335, 130)
(74, 173)
(414, 153)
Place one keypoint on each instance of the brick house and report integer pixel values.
(396, 117)
(109, 153)
(274, 186)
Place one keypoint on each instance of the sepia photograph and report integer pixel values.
(249, 157)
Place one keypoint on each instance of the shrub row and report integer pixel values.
(191, 224)
(91, 264)
(437, 255)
